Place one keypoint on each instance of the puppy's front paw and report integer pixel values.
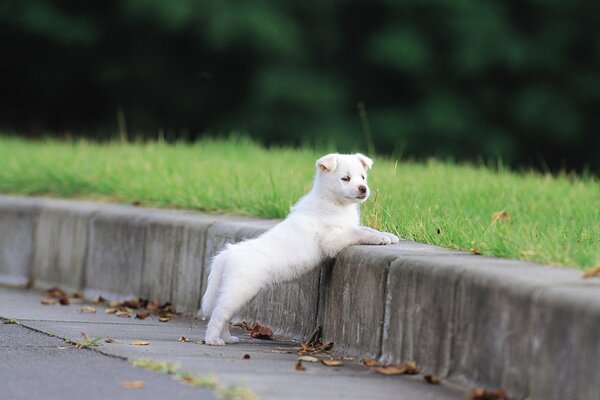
(395, 239)
(216, 341)
(385, 240)
(232, 339)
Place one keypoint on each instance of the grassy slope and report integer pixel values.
(554, 220)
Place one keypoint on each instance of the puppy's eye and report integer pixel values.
(362, 176)
(346, 179)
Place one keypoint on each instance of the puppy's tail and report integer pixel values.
(214, 282)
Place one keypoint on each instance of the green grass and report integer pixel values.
(553, 220)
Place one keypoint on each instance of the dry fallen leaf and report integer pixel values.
(110, 340)
(123, 314)
(589, 273)
(77, 295)
(476, 251)
(142, 314)
(309, 359)
(133, 384)
(409, 368)
(242, 325)
(165, 319)
(140, 343)
(169, 308)
(113, 304)
(332, 363)
(324, 346)
(56, 293)
(500, 215)
(369, 362)
(135, 303)
(261, 332)
(98, 300)
(48, 302)
(246, 357)
(64, 301)
(152, 305)
(183, 339)
(431, 378)
(482, 394)
(88, 309)
(299, 366)
(111, 310)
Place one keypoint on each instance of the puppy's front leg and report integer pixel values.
(391, 236)
(341, 238)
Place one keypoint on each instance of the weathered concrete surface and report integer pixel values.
(34, 365)
(116, 251)
(61, 243)
(18, 217)
(468, 317)
(173, 256)
(269, 372)
(565, 332)
(352, 299)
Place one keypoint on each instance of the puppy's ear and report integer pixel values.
(366, 162)
(327, 163)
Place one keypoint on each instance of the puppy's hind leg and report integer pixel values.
(226, 335)
(235, 293)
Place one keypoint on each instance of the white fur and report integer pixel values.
(321, 224)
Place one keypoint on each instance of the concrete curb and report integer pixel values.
(530, 329)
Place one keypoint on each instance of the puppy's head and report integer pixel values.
(344, 176)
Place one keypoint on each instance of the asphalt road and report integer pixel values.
(36, 362)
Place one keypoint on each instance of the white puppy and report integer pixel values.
(321, 224)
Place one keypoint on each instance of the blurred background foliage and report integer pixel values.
(469, 79)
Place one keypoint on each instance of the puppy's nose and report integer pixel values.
(362, 189)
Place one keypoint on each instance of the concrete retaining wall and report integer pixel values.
(530, 329)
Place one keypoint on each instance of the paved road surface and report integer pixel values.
(36, 363)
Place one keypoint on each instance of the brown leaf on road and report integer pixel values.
(246, 357)
(589, 273)
(110, 311)
(134, 303)
(183, 339)
(369, 362)
(77, 295)
(431, 378)
(409, 368)
(309, 359)
(299, 366)
(64, 301)
(140, 343)
(123, 314)
(48, 302)
(261, 332)
(133, 384)
(110, 340)
(500, 216)
(113, 304)
(164, 319)
(242, 325)
(168, 307)
(88, 309)
(98, 300)
(482, 394)
(324, 346)
(152, 305)
(56, 292)
(142, 314)
(332, 363)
